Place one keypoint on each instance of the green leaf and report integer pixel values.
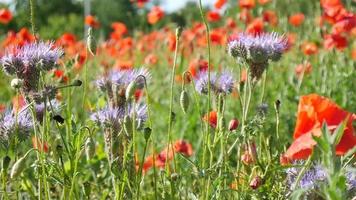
(336, 136)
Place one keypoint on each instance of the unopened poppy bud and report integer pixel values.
(130, 90)
(277, 104)
(174, 176)
(91, 43)
(77, 83)
(128, 125)
(6, 162)
(184, 101)
(16, 83)
(246, 158)
(89, 148)
(178, 32)
(234, 123)
(256, 182)
(18, 167)
(147, 133)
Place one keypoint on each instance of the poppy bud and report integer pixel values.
(234, 123)
(77, 83)
(18, 167)
(178, 32)
(16, 83)
(130, 90)
(91, 44)
(277, 104)
(6, 162)
(256, 182)
(184, 101)
(89, 148)
(127, 125)
(147, 133)
(246, 158)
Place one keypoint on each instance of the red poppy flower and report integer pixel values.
(248, 4)
(212, 118)
(183, 147)
(213, 16)
(270, 17)
(303, 69)
(119, 28)
(67, 39)
(5, 16)
(263, 2)
(313, 111)
(335, 41)
(296, 19)
(219, 3)
(92, 21)
(255, 27)
(309, 48)
(155, 15)
(37, 144)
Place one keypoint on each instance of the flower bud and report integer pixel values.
(147, 133)
(6, 162)
(130, 90)
(256, 182)
(91, 43)
(18, 167)
(179, 32)
(234, 123)
(277, 104)
(16, 83)
(77, 83)
(89, 148)
(184, 101)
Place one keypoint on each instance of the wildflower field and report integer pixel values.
(221, 99)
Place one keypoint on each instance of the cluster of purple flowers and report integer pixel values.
(27, 61)
(257, 50)
(113, 117)
(122, 78)
(12, 126)
(314, 176)
(219, 83)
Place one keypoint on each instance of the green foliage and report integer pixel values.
(59, 24)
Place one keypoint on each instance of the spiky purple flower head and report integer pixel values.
(27, 61)
(219, 83)
(257, 50)
(12, 125)
(113, 117)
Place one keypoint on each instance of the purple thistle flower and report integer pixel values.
(310, 179)
(10, 125)
(219, 83)
(258, 49)
(27, 61)
(113, 117)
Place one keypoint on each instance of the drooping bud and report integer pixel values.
(128, 125)
(184, 101)
(277, 104)
(16, 83)
(256, 182)
(77, 83)
(234, 123)
(147, 133)
(6, 162)
(91, 43)
(89, 148)
(19, 166)
(130, 90)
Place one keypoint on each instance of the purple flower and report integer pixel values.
(12, 125)
(257, 49)
(310, 179)
(122, 78)
(219, 83)
(27, 61)
(113, 117)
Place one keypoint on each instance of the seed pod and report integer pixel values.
(256, 182)
(18, 167)
(130, 90)
(184, 101)
(91, 43)
(234, 123)
(147, 133)
(6, 162)
(128, 125)
(77, 83)
(89, 148)
(16, 83)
